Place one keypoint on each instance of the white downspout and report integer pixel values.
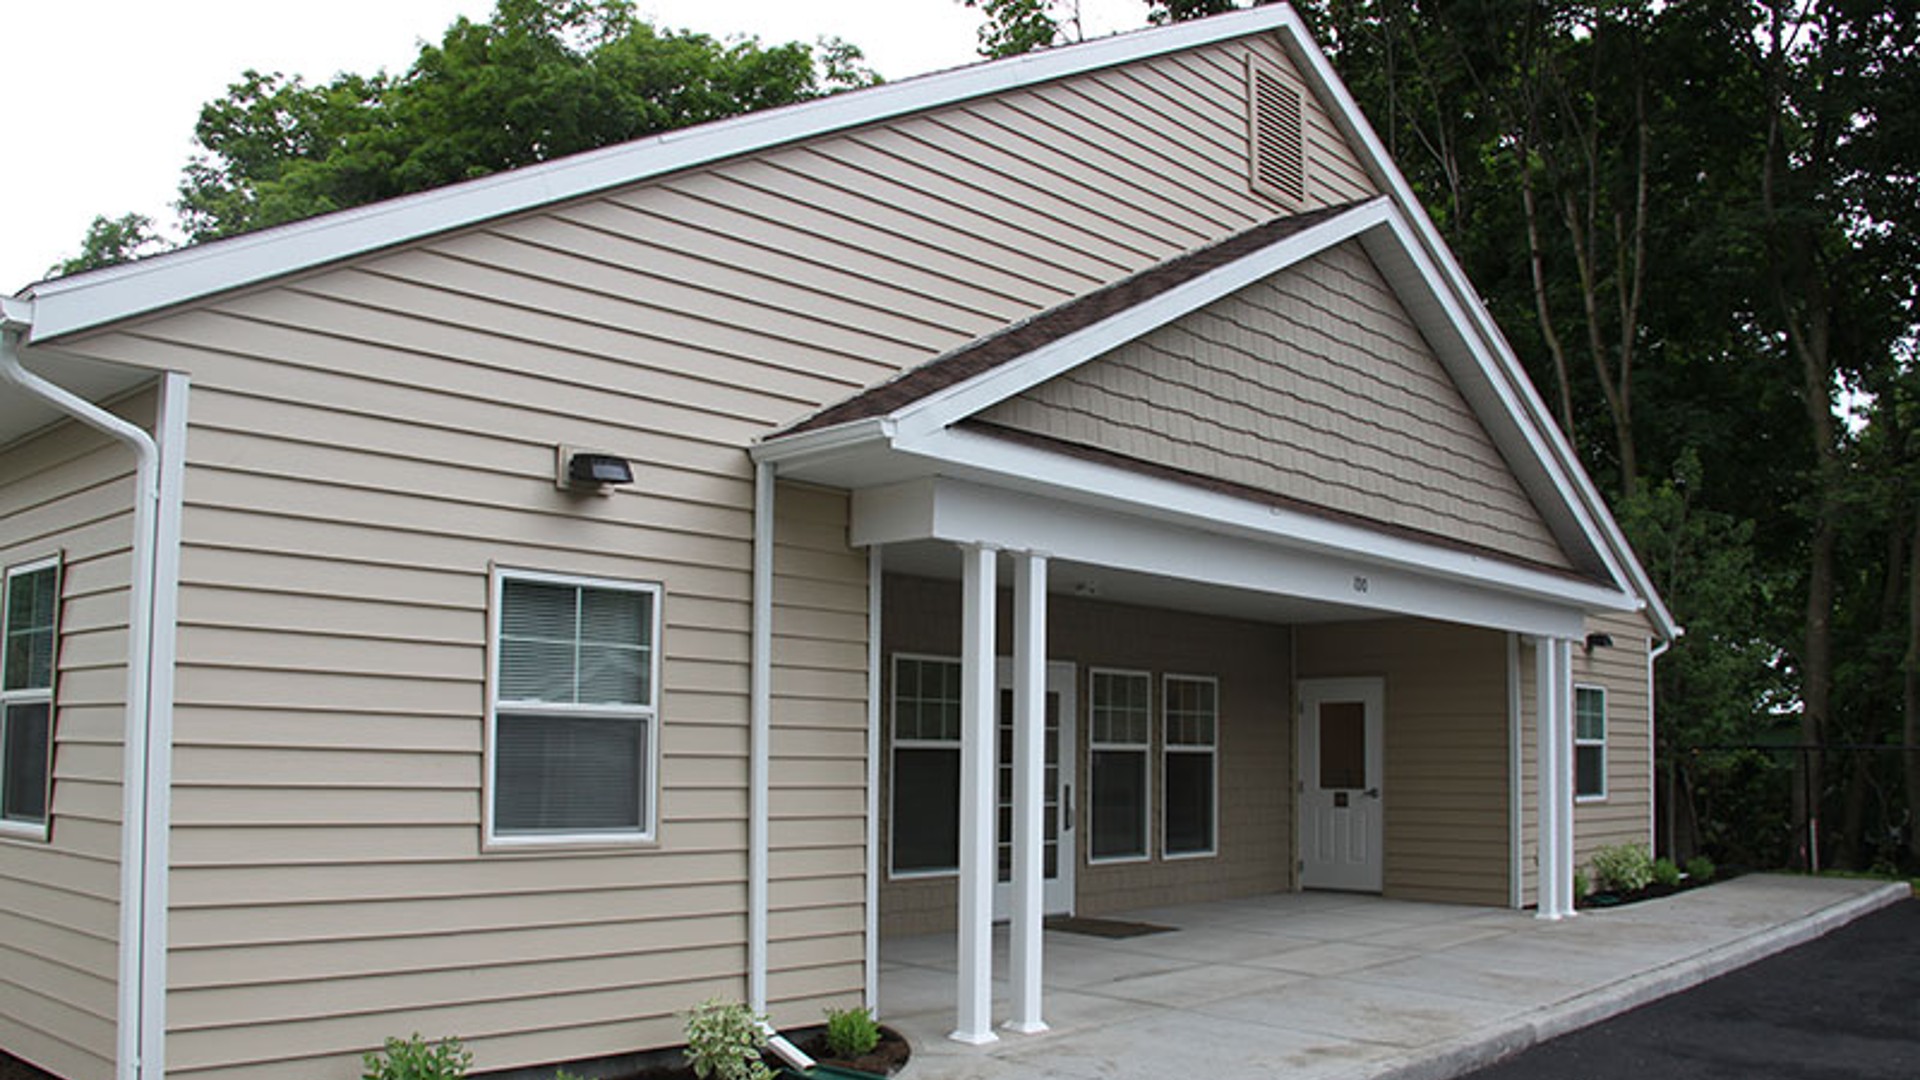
(760, 710)
(147, 741)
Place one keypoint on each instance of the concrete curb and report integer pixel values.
(1478, 1049)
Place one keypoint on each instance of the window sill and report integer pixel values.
(571, 843)
(30, 834)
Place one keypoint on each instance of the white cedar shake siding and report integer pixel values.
(68, 491)
(1255, 745)
(1314, 385)
(1625, 815)
(1444, 793)
(367, 440)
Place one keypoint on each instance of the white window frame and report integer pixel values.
(647, 714)
(42, 829)
(1599, 743)
(1144, 749)
(895, 744)
(1168, 748)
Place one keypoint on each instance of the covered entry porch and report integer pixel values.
(1295, 738)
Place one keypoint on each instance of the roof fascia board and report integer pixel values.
(1573, 479)
(85, 301)
(1015, 465)
(943, 408)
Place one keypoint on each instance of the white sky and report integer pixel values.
(100, 96)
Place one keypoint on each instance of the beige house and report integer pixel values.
(527, 609)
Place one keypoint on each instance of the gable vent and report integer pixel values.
(1278, 157)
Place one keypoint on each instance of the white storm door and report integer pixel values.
(1057, 854)
(1340, 772)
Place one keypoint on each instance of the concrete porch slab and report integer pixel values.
(1323, 986)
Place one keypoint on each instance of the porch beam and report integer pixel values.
(1029, 793)
(974, 1000)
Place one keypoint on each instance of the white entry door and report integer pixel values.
(1057, 856)
(1340, 772)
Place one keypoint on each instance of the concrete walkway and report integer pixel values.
(1326, 986)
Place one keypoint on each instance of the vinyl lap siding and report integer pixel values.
(68, 491)
(1444, 793)
(1314, 385)
(1625, 816)
(368, 439)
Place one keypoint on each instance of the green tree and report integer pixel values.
(111, 241)
(538, 80)
(1014, 27)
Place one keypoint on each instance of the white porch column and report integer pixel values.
(1553, 700)
(1029, 792)
(974, 1001)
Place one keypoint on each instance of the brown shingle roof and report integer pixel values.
(984, 354)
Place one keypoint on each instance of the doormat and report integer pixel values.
(1104, 928)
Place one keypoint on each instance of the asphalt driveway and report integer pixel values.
(1846, 1005)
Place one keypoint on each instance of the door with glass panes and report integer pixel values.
(1057, 854)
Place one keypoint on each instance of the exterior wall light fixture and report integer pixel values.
(584, 470)
(1599, 641)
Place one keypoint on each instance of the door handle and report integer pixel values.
(1372, 793)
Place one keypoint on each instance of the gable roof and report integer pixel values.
(914, 411)
(83, 301)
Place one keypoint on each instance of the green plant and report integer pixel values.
(1701, 869)
(1580, 886)
(1666, 872)
(1622, 868)
(724, 1039)
(852, 1033)
(417, 1059)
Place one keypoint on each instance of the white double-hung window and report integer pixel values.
(574, 724)
(29, 627)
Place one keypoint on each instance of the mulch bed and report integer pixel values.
(886, 1059)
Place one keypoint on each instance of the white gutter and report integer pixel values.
(1660, 646)
(152, 598)
(760, 710)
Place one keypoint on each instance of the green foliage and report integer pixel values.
(1016, 26)
(539, 80)
(1622, 868)
(417, 1059)
(724, 1040)
(1666, 872)
(1581, 889)
(852, 1032)
(1700, 869)
(111, 241)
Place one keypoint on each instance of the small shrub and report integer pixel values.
(1666, 873)
(1622, 868)
(1580, 887)
(417, 1059)
(724, 1040)
(1701, 869)
(852, 1033)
